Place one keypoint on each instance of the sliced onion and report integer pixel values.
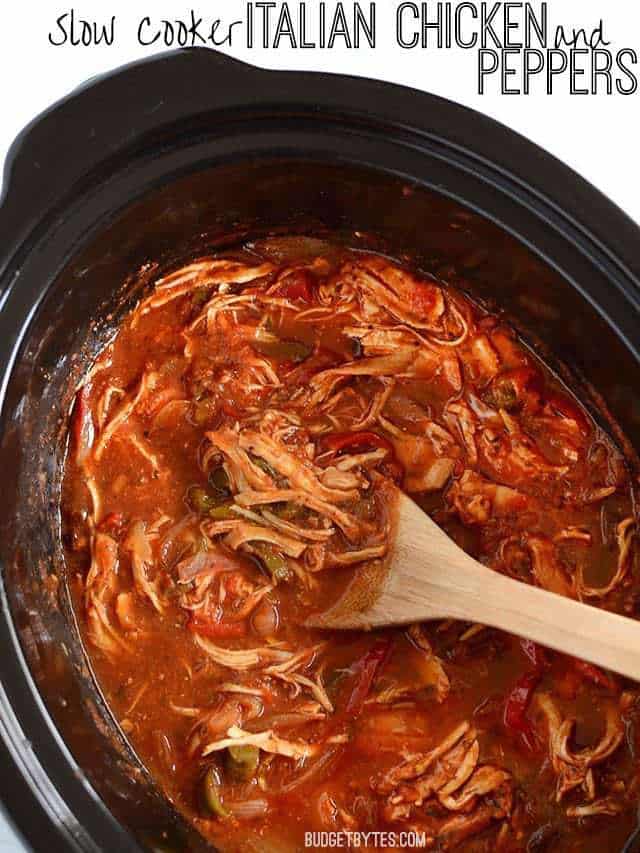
(316, 771)
(265, 619)
(248, 810)
(203, 563)
(280, 721)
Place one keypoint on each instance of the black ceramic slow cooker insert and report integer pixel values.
(191, 151)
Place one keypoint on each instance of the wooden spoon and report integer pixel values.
(430, 577)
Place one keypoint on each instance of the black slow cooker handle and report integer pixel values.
(105, 116)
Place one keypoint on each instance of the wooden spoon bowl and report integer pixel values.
(430, 577)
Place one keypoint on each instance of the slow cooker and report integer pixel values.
(185, 153)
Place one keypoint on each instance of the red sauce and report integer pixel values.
(229, 468)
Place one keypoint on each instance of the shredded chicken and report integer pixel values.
(478, 500)
(289, 672)
(428, 460)
(267, 741)
(143, 449)
(244, 533)
(605, 805)
(239, 659)
(203, 273)
(349, 558)
(243, 472)
(100, 587)
(210, 562)
(575, 769)
(122, 413)
(546, 567)
(301, 391)
(138, 545)
(406, 298)
(625, 533)
(461, 418)
(347, 523)
(324, 383)
(297, 471)
(296, 530)
(450, 775)
(431, 672)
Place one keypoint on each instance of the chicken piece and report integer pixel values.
(603, 806)
(83, 427)
(430, 670)
(244, 533)
(430, 362)
(236, 709)
(461, 418)
(349, 524)
(332, 816)
(462, 826)
(206, 563)
(478, 500)
(100, 586)
(313, 534)
(101, 631)
(485, 780)
(384, 289)
(242, 659)
(138, 544)
(101, 577)
(148, 382)
(291, 672)
(483, 361)
(295, 469)
(435, 365)
(625, 534)
(428, 460)
(350, 558)
(384, 340)
(268, 741)
(243, 473)
(545, 566)
(125, 611)
(513, 455)
(203, 273)
(450, 777)
(424, 471)
(574, 769)
(323, 383)
(456, 763)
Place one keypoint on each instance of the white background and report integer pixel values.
(598, 136)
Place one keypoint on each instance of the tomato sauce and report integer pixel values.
(231, 457)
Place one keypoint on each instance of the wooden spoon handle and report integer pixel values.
(587, 632)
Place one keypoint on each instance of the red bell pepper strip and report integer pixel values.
(296, 286)
(515, 708)
(112, 523)
(594, 674)
(210, 628)
(339, 441)
(519, 697)
(230, 410)
(366, 670)
(566, 408)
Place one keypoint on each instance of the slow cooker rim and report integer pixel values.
(242, 84)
